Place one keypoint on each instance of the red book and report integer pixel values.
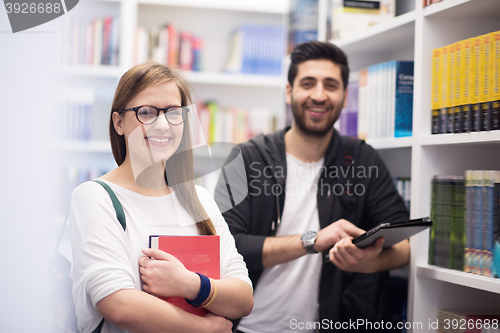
(200, 254)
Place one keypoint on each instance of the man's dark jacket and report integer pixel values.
(343, 296)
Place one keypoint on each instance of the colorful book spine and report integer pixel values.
(495, 80)
(443, 92)
(435, 93)
(458, 88)
(403, 110)
(465, 72)
(469, 221)
(496, 227)
(475, 89)
(484, 79)
(451, 89)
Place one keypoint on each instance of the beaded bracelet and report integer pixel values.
(202, 294)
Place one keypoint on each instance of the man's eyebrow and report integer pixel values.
(328, 79)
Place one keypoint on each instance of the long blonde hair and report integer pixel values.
(180, 165)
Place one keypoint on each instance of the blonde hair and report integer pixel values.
(179, 167)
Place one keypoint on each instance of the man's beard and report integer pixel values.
(299, 118)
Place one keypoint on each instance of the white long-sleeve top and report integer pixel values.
(106, 258)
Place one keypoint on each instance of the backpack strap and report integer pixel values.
(120, 215)
(346, 160)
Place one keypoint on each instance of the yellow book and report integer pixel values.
(435, 95)
(458, 88)
(475, 83)
(443, 90)
(465, 73)
(451, 89)
(495, 80)
(484, 82)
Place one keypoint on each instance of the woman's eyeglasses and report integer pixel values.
(147, 114)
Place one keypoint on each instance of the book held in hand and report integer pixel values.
(200, 254)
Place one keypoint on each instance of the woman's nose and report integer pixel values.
(161, 123)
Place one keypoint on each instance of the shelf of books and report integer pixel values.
(455, 265)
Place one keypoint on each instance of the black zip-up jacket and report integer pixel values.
(372, 200)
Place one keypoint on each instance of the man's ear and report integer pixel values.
(117, 122)
(288, 94)
(346, 95)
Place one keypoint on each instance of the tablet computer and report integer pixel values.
(393, 232)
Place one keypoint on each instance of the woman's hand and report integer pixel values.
(218, 323)
(166, 276)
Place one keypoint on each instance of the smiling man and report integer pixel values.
(309, 193)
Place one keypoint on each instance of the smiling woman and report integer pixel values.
(114, 277)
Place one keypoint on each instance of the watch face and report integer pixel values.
(309, 236)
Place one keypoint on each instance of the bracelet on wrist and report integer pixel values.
(213, 296)
(203, 293)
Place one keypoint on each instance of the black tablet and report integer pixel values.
(393, 232)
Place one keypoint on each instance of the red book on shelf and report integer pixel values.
(481, 322)
(199, 254)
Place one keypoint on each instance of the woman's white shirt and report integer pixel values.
(106, 258)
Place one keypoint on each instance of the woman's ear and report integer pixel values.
(117, 122)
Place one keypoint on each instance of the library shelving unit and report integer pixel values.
(213, 21)
(412, 35)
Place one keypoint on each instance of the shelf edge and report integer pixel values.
(460, 278)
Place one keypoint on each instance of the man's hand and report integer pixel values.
(329, 236)
(348, 257)
(166, 276)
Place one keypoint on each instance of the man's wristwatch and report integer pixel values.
(308, 240)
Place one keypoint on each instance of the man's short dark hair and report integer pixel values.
(318, 51)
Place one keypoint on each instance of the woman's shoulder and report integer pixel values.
(88, 191)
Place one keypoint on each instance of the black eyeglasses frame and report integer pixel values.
(185, 110)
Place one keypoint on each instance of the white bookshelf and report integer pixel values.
(412, 36)
(213, 21)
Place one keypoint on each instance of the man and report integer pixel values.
(309, 192)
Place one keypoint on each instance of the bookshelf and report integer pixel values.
(213, 21)
(411, 36)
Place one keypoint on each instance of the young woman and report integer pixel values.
(116, 276)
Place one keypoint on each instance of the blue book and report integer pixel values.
(404, 99)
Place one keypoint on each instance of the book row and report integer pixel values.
(216, 123)
(90, 41)
(467, 321)
(167, 45)
(426, 3)
(379, 102)
(353, 16)
(74, 112)
(465, 211)
(256, 49)
(466, 85)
